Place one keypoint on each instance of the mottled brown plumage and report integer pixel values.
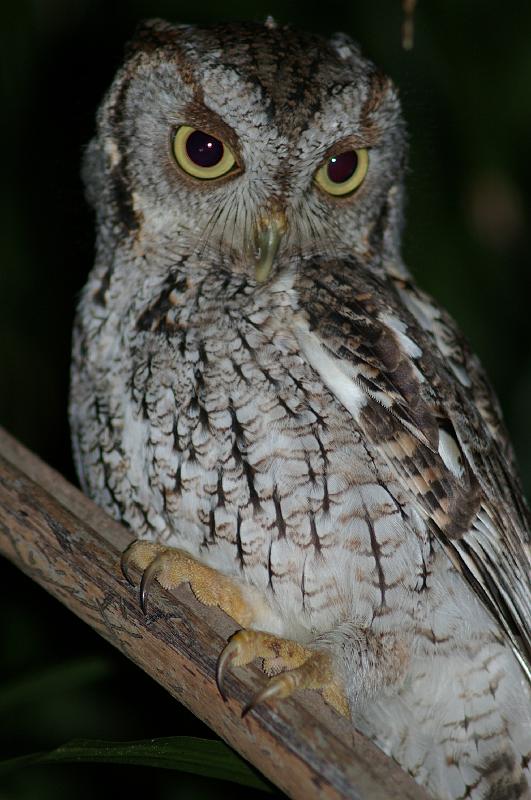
(261, 392)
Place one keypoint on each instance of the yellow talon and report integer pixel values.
(304, 668)
(293, 665)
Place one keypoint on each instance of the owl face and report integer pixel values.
(259, 144)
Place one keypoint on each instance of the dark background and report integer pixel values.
(466, 90)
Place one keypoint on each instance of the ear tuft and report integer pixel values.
(345, 47)
(152, 34)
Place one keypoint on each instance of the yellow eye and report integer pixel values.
(202, 155)
(342, 174)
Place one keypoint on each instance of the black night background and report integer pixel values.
(466, 92)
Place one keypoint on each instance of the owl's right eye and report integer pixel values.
(202, 155)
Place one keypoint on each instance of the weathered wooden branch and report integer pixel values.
(71, 548)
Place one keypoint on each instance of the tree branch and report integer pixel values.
(71, 548)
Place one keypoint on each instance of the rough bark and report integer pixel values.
(71, 548)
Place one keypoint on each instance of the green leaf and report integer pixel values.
(205, 757)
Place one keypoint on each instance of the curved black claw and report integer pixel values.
(150, 573)
(226, 656)
(124, 564)
(273, 689)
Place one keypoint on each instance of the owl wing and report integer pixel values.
(399, 365)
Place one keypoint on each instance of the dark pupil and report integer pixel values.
(342, 167)
(203, 149)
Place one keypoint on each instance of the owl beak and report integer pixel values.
(269, 230)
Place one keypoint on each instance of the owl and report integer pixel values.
(284, 420)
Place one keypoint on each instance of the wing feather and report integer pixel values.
(429, 408)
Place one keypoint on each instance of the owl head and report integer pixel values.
(250, 146)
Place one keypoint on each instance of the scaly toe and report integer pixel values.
(146, 556)
(172, 567)
(240, 650)
(279, 687)
(304, 668)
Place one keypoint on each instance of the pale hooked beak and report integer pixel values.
(269, 230)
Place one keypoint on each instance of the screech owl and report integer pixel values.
(264, 396)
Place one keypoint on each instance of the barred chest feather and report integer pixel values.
(218, 436)
(232, 431)
(258, 381)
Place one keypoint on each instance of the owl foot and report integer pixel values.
(171, 567)
(305, 668)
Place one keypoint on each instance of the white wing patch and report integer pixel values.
(399, 328)
(333, 371)
(450, 453)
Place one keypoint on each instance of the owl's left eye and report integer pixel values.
(344, 173)
(202, 155)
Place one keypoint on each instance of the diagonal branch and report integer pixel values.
(71, 548)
